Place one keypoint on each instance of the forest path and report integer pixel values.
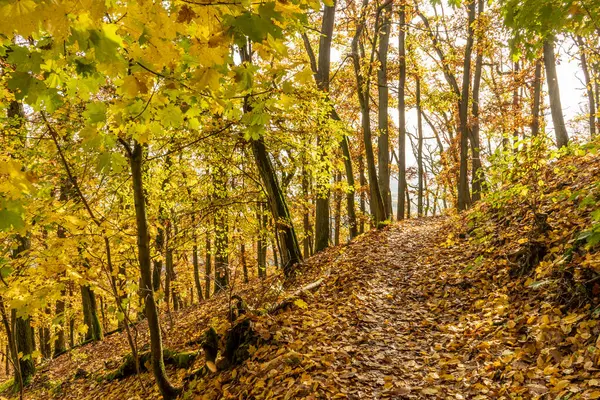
(405, 311)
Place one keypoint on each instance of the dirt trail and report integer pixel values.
(403, 318)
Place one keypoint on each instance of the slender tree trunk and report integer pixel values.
(307, 242)
(322, 215)
(45, 346)
(560, 129)
(7, 359)
(351, 208)
(419, 150)
(426, 190)
(196, 265)
(168, 264)
(383, 92)
(221, 232)
(90, 310)
(157, 264)
(463, 182)
(588, 86)
(12, 350)
(402, 113)
(537, 95)
(597, 92)
(290, 250)
(516, 105)
(407, 203)
(71, 322)
(243, 261)
(435, 199)
(337, 215)
(103, 313)
(90, 318)
(321, 70)
(291, 255)
(60, 345)
(261, 244)
(26, 346)
(322, 80)
(24, 334)
(375, 198)
(207, 267)
(275, 258)
(171, 273)
(158, 367)
(476, 170)
(363, 184)
(362, 84)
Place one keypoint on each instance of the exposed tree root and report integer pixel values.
(127, 367)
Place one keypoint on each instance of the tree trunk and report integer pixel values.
(45, 346)
(476, 170)
(196, 265)
(207, 267)
(322, 217)
(26, 345)
(321, 70)
(12, 351)
(588, 86)
(362, 85)
(60, 345)
(322, 80)
(407, 203)
(103, 313)
(537, 96)
(168, 264)
(90, 314)
(337, 214)
(261, 244)
(284, 227)
(419, 150)
(307, 241)
(158, 367)
(290, 250)
(560, 130)
(351, 208)
(363, 184)
(90, 310)
(24, 334)
(402, 113)
(221, 231)
(71, 322)
(383, 94)
(463, 181)
(243, 260)
(516, 105)
(274, 248)
(157, 264)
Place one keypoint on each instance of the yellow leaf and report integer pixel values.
(300, 303)
(211, 366)
(207, 78)
(430, 391)
(130, 86)
(561, 385)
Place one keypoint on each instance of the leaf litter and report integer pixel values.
(427, 308)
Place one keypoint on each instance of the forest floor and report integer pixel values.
(425, 308)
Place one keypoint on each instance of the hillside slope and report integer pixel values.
(498, 303)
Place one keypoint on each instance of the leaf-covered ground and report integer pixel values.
(428, 308)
